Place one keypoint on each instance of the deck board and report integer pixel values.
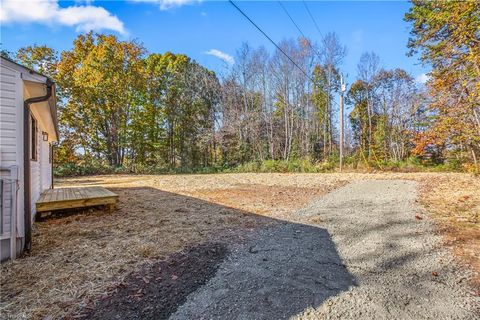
(70, 198)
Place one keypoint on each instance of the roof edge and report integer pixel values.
(27, 69)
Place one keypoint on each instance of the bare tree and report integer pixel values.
(332, 53)
(368, 68)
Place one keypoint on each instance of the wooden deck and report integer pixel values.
(71, 198)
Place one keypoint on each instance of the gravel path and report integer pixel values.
(368, 257)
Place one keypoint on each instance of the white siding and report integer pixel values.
(8, 114)
(10, 138)
(14, 81)
(46, 166)
(35, 182)
(40, 169)
(37, 167)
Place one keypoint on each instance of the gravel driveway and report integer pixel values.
(371, 254)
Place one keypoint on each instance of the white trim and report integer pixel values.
(25, 73)
(33, 77)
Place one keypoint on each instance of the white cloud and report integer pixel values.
(169, 4)
(423, 78)
(221, 55)
(82, 17)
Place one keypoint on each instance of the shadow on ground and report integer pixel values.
(280, 272)
(255, 266)
(158, 289)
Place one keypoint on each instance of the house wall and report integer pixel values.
(45, 165)
(40, 169)
(11, 152)
(16, 85)
(35, 174)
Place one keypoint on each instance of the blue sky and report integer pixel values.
(195, 28)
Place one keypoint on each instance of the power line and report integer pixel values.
(291, 19)
(270, 39)
(299, 30)
(313, 19)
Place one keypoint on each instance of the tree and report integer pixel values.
(387, 107)
(7, 54)
(123, 107)
(174, 124)
(321, 98)
(398, 107)
(447, 35)
(332, 55)
(101, 78)
(118, 106)
(39, 58)
(271, 108)
(45, 60)
(359, 117)
(368, 68)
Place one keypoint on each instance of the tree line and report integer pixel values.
(124, 107)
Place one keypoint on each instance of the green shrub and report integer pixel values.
(331, 163)
(294, 165)
(253, 166)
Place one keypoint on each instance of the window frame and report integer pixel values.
(33, 138)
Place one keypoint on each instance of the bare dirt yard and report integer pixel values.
(174, 237)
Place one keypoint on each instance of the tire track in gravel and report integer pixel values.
(367, 257)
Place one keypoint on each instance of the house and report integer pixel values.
(28, 127)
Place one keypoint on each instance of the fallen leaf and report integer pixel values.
(174, 277)
(418, 217)
(435, 274)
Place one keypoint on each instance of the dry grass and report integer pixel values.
(454, 201)
(80, 258)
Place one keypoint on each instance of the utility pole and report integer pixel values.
(342, 91)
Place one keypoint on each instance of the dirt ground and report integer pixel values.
(80, 261)
(368, 258)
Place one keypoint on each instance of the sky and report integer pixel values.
(211, 31)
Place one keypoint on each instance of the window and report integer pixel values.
(33, 138)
